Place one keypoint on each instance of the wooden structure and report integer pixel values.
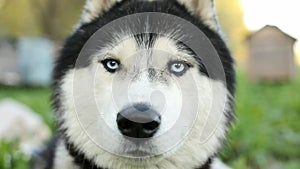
(28, 60)
(9, 69)
(271, 55)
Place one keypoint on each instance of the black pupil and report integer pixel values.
(112, 63)
(177, 65)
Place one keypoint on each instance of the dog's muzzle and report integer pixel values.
(138, 121)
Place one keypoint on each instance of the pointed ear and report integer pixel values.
(205, 10)
(95, 8)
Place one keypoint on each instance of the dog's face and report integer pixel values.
(143, 100)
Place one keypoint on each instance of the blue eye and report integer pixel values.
(178, 68)
(111, 65)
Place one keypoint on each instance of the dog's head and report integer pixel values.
(143, 84)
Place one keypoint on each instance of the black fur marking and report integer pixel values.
(206, 165)
(201, 66)
(75, 43)
(45, 158)
(152, 73)
(80, 159)
(84, 163)
(145, 39)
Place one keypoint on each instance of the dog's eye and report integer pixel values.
(111, 65)
(178, 67)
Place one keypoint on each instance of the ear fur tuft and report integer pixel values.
(205, 10)
(94, 8)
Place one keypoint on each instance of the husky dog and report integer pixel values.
(142, 85)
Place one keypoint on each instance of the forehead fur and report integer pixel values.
(161, 48)
(131, 45)
(124, 48)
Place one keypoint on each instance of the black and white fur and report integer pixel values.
(73, 148)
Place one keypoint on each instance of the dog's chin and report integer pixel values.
(137, 149)
(140, 157)
(139, 154)
(143, 150)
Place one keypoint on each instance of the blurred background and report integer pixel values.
(262, 35)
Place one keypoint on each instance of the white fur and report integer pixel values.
(62, 158)
(92, 97)
(217, 164)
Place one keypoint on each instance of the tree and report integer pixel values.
(231, 17)
(56, 18)
(50, 18)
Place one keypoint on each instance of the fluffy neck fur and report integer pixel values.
(82, 162)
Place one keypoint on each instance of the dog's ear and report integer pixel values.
(95, 8)
(204, 10)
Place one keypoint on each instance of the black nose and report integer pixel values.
(138, 121)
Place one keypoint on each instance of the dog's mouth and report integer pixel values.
(141, 151)
(140, 158)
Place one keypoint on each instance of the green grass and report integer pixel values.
(11, 157)
(266, 133)
(38, 99)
